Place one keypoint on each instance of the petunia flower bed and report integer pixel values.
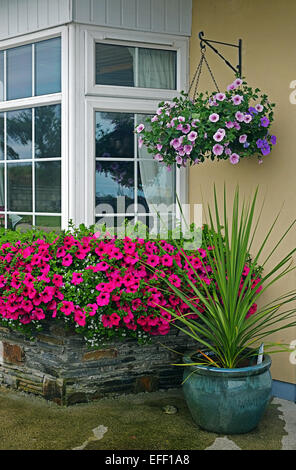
(219, 126)
(104, 287)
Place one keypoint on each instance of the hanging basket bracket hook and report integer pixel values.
(207, 42)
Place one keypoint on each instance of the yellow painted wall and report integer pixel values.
(268, 31)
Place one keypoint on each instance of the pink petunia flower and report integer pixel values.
(77, 279)
(192, 136)
(218, 149)
(140, 128)
(220, 96)
(237, 99)
(242, 138)
(234, 158)
(214, 117)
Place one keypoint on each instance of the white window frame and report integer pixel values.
(135, 39)
(50, 99)
(126, 99)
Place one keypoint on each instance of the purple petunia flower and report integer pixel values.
(264, 121)
(259, 143)
(265, 150)
(273, 139)
(252, 110)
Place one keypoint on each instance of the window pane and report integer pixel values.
(48, 224)
(114, 65)
(19, 72)
(1, 136)
(48, 131)
(19, 187)
(19, 134)
(22, 223)
(48, 66)
(135, 67)
(1, 75)
(2, 188)
(156, 187)
(114, 135)
(157, 69)
(114, 180)
(48, 186)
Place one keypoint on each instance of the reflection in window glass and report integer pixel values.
(114, 65)
(114, 135)
(1, 136)
(48, 223)
(1, 75)
(156, 187)
(19, 187)
(48, 67)
(135, 66)
(19, 134)
(19, 72)
(48, 186)
(48, 131)
(19, 222)
(114, 180)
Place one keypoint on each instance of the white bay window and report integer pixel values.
(125, 80)
(31, 132)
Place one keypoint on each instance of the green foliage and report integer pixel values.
(226, 329)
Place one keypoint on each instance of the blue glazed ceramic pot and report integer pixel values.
(227, 401)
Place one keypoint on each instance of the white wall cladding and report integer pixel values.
(159, 16)
(19, 17)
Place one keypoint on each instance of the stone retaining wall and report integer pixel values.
(59, 367)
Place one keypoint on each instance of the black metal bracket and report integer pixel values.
(238, 68)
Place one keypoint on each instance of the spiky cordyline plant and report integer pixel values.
(224, 328)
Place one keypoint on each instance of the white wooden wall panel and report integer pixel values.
(19, 17)
(161, 16)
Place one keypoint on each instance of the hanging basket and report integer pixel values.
(217, 126)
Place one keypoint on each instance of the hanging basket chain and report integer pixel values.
(197, 73)
(196, 76)
(212, 75)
